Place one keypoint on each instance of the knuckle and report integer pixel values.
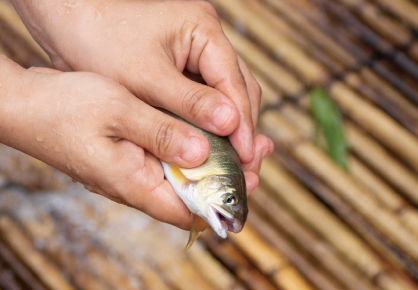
(207, 8)
(194, 101)
(164, 137)
(258, 90)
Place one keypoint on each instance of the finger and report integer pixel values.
(201, 105)
(137, 180)
(45, 70)
(251, 180)
(213, 57)
(169, 139)
(263, 147)
(253, 89)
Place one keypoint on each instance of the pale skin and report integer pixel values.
(98, 126)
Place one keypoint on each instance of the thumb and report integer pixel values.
(169, 139)
(199, 104)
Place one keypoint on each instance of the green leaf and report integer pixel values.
(328, 119)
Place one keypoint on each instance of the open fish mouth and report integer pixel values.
(222, 221)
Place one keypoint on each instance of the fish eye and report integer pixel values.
(231, 200)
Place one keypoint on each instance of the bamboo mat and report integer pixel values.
(311, 225)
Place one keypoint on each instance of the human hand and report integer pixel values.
(94, 130)
(145, 46)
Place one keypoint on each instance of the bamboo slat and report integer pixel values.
(278, 215)
(287, 51)
(345, 185)
(312, 32)
(211, 269)
(331, 47)
(376, 186)
(46, 271)
(276, 239)
(236, 262)
(377, 123)
(259, 60)
(270, 262)
(325, 224)
(404, 9)
(8, 15)
(22, 274)
(395, 137)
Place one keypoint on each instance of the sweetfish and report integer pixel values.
(215, 190)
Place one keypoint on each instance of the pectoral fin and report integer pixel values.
(194, 234)
(177, 175)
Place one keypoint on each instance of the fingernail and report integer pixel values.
(192, 149)
(221, 115)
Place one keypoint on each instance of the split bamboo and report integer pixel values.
(272, 263)
(236, 262)
(404, 9)
(377, 187)
(310, 270)
(278, 215)
(375, 121)
(358, 196)
(7, 257)
(319, 218)
(332, 47)
(20, 244)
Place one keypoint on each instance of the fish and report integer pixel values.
(215, 191)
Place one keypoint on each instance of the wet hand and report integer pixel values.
(147, 46)
(94, 130)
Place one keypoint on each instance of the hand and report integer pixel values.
(146, 46)
(94, 130)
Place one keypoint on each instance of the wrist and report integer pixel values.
(58, 25)
(14, 86)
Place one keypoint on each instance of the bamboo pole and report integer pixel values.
(287, 51)
(236, 262)
(20, 271)
(45, 270)
(331, 46)
(357, 195)
(377, 187)
(325, 255)
(209, 268)
(325, 224)
(361, 226)
(9, 15)
(256, 58)
(270, 97)
(272, 263)
(7, 281)
(276, 239)
(306, 206)
(310, 30)
(378, 123)
(404, 9)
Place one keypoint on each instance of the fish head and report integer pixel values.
(222, 202)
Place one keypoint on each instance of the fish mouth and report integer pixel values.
(222, 221)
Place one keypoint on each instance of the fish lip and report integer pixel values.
(215, 222)
(224, 219)
(223, 212)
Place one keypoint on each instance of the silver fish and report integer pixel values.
(215, 191)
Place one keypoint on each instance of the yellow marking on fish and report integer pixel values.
(178, 175)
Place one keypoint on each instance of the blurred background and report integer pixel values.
(337, 203)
